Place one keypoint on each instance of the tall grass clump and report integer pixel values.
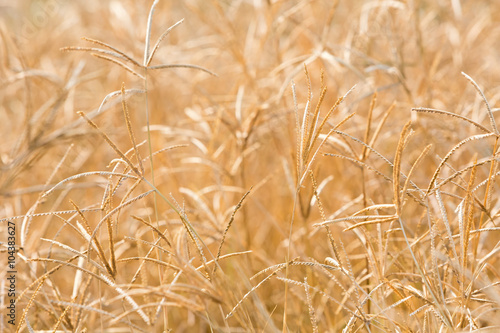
(265, 166)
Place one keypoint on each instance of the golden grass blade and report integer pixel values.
(99, 248)
(463, 170)
(302, 133)
(193, 235)
(229, 255)
(446, 223)
(330, 112)
(468, 215)
(156, 230)
(85, 174)
(177, 303)
(28, 326)
(67, 263)
(315, 197)
(164, 150)
(309, 142)
(25, 226)
(395, 289)
(156, 261)
(111, 143)
(82, 307)
(379, 127)
(84, 219)
(305, 121)
(152, 245)
(130, 131)
(53, 270)
(273, 267)
(487, 201)
(157, 45)
(361, 164)
(297, 130)
(397, 166)
(93, 50)
(130, 191)
(111, 188)
(368, 124)
(148, 33)
(488, 107)
(56, 213)
(364, 145)
(281, 267)
(202, 206)
(450, 114)
(301, 61)
(413, 168)
(121, 64)
(352, 218)
(78, 253)
(62, 317)
(183, 66)
(28, 306)
(322, 293)
(446, 320)
(116, 93)
(42, 278)
(112, 212)
(230, 314)
(349, 273)
(376, 221)
(121, 54)
(374, 207)
(111, 247)
(448, 155)
(78, 290)
(437, 276)
(313, 158)
(143, 262)
(392, 306)
(312, 313)
(129, 299)
(238, 206)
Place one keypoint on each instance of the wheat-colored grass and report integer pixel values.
(251, 166)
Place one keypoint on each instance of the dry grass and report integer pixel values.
(260, 166)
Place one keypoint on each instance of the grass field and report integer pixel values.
(250, 166)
